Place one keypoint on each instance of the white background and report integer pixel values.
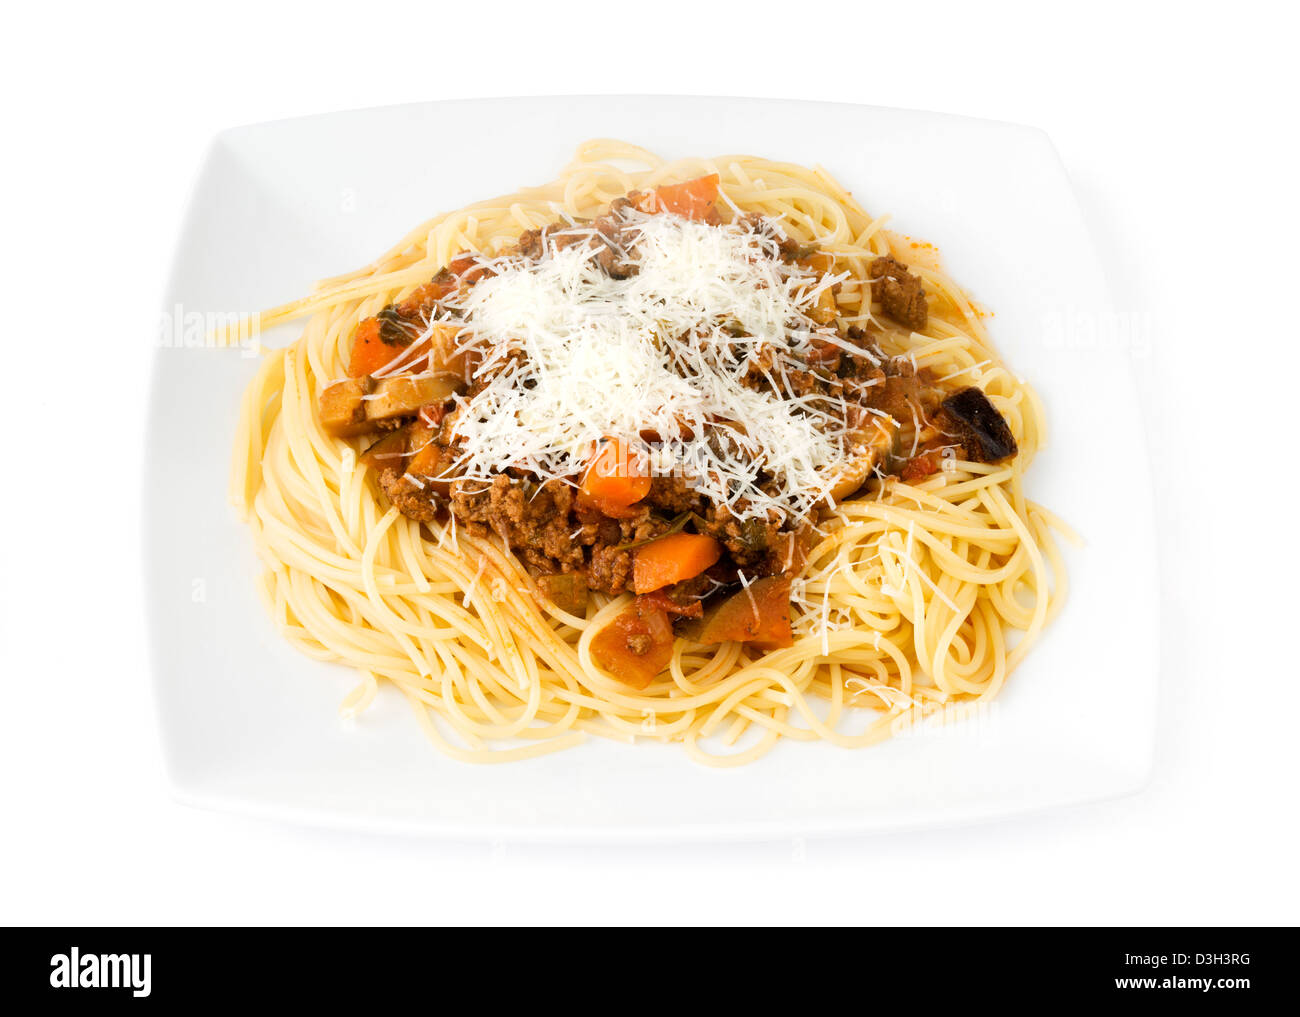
(1178, 128)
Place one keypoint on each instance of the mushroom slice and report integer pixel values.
(871, 445)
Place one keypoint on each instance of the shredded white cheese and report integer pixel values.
(573, 356)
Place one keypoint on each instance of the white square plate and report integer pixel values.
(249, 724)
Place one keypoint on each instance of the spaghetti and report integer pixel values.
(912, 595)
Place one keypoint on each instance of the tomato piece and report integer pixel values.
(920, 467)
(635, 646)
(369, 352)
(662, 600)
(758, 615)
(389, 452)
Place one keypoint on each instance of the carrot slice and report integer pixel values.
(693, 199)
(671, 559)
(614, 480)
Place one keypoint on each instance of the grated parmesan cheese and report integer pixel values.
(571, 355)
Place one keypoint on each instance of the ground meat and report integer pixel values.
(899, 396)
(898, 292)
(614, 255)
(639, 644)
(609, 570)
(610, 566)
(530, 244)
(801, 383)
(550, 533)
(420, 503)
(533, 520)
(612, 240)
(555, 236)
(642, 527)
(753, 543)
(865, 366)
(788, 248)
(675, 495)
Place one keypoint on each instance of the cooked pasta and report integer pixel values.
(924, 585)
